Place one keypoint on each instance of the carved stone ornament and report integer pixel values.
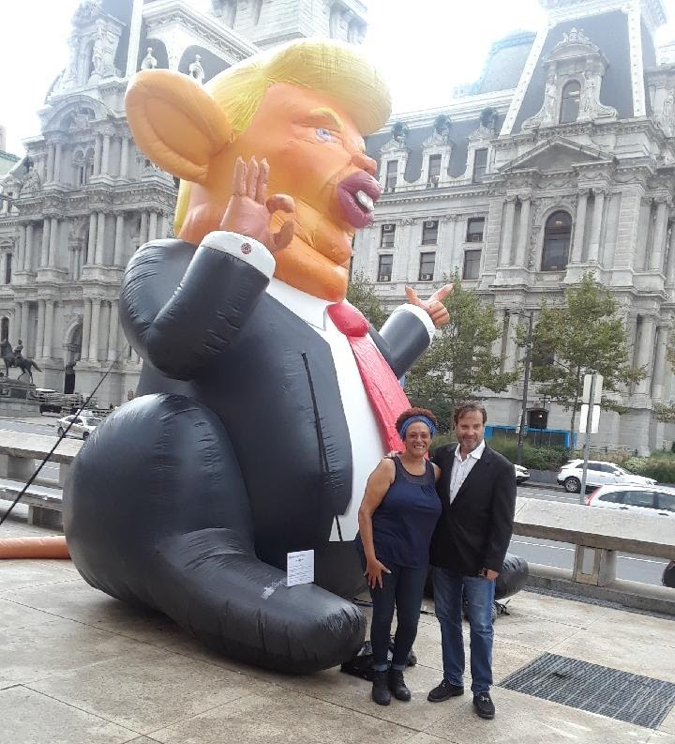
(149, 61)
(574, 59)
(196, 71)
(667, 116)
(87, 10)
(399, 133)
(32, 183)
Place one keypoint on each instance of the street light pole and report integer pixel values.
(526, 384)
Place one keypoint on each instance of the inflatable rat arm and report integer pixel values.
(222, 283)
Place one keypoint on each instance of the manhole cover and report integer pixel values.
(643, 701)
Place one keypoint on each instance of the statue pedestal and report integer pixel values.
(16, 398)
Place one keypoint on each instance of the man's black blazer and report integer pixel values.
(475, 530)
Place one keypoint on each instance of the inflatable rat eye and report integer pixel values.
(323, 134)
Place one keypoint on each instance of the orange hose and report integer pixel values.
(34, 547)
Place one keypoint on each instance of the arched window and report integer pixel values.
(4, 329)
(557, 236)
(569, 105)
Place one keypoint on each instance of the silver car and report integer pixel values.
(633, 499)
(598, 474)
(82, 425)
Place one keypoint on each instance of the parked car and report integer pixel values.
(598, 474)
(522, 474)
(83, 425)
(653, 500)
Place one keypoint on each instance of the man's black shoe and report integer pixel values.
(398, 686)
(484, 705)
(444, 691)
(381, 694)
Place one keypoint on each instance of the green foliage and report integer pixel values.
(583, 336)
(361, 294)
(440, 440)
(460, 361)
(665, 413)
(535, 457)
(660, 466)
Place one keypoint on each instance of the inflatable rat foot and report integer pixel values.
(156, 513)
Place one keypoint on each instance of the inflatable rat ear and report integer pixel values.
(176, 123)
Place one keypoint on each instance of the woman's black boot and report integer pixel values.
(398, 686)
(381, 694)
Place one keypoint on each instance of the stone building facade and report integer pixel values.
(74, 210)
(559, 160)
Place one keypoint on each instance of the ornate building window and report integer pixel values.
(388, 236)
(430, 232)
(427, 263)
(8, 268)
(471, 265)
(392, 175)
(474, 230)
(557, 237)
(480, 164)
(384, 267)
(569, 102)
(434, 169)
(4, 329)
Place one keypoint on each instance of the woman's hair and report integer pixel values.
(341, 71)
(410, 413)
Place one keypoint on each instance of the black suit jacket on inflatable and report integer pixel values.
(189, 498)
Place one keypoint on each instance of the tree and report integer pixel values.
(460, 361)
(361, 294)
(583, 336)
(665, 412)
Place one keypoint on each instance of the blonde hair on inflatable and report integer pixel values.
(339, 70)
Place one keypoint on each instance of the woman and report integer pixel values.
(396, 521)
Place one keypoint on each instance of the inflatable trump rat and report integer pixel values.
(265, 399)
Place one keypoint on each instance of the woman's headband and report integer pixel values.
(417, 417)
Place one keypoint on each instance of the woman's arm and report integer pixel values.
(437, 471)
(376, 488)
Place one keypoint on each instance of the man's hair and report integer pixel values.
(339, 70)
(463, 408)
(410, 412)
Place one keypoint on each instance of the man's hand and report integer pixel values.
(249, 211)
(433, 306)
(489, 574)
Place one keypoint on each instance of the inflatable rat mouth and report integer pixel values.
(357, 195)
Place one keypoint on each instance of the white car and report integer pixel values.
(522, 474)
(83, 425)
(634, 499)
(598, 474)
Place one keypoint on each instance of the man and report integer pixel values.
(478, 490)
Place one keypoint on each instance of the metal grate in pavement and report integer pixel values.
(627, 697)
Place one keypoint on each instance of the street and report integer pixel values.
(544, 552)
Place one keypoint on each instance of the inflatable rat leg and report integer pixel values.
(156, 512)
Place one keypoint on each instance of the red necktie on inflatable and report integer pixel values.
(384, 392)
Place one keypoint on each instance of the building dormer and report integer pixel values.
(394, 158)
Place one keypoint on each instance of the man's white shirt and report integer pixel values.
(462, 468)
(366, 441)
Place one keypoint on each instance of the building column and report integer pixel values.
(596, 226)
(112, 333)
(86, 328)
(152, 226)
(91, 240)
(580, 227)
(44, 252)
(511, 355)
(119, 244)
(95, 323)
(50, 163)
(23, 331)
(20, 248)
(28, 252)
(57, 161)
(523, 231)
(49, 329)
(100, 239)
(40, 337)
(124, 157)
(105, 155)
(143, 237)
(97, 155)
(507, 231)
(645, 346)
(15, 331)
(659, 239)
(660, 361)
(53, 241)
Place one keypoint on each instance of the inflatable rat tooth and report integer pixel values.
(265, 400)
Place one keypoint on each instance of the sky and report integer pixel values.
(423, 54)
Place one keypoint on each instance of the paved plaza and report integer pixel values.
(77, 667)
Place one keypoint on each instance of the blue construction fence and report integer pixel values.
(537, 437)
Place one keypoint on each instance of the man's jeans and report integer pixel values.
(480, 595)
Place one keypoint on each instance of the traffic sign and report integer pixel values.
(583, 418)
(587, 389)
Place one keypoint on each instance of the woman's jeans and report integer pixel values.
(403, 587)
(479, 594)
